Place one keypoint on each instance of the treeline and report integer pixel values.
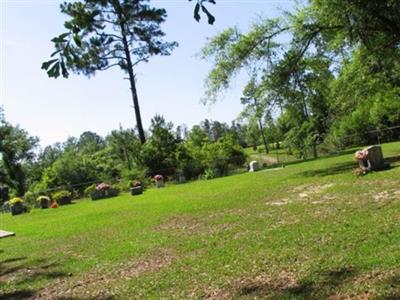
(207, 150)
(322, 76)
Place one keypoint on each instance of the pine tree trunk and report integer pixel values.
(132, 82)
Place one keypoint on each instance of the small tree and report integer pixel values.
(106, 33)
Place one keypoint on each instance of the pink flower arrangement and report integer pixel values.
(136, 183)
(158, 177)
(102, 186)
(361, 155)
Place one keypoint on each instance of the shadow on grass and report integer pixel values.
(330, 170)
(19, 272)
(327, 285)
(393, 159)
(343, 168)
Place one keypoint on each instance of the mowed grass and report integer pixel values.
(309, 231)
(275, 156)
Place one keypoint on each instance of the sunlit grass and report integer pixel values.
(310, 230)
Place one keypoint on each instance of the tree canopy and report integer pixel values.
(102, 34)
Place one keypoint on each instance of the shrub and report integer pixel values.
(30, 198)
(89, 190)
(210, 174)
(6, 207)
(63, 197)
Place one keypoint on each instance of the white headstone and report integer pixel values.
(254, 166)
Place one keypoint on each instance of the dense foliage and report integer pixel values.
(76, 166)
(321, 78)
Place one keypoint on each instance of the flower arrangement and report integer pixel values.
(17, 206)
(136, 188)
(103, 186)
(16, 200)
(361, 155)
(158, 177)
(136, 183)
(159, 181)
(104, 190)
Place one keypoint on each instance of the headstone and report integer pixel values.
(254, 166)
(4, 234)
(373, 159)
(181, 178)
(160, 183)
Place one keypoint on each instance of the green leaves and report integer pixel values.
(61, 38)
(47, 64)
(77, 40)
(200, 4)
(54, 67)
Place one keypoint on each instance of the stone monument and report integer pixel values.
(254, 166)
(371, 159)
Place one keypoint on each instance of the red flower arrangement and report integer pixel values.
(158, 177)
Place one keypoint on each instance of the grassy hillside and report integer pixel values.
(311, 230)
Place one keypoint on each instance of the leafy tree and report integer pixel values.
(90, 142)
(158, 154)
(125, 147)
(222, 155)
(16, 149)
(255, 108)
(69, 170)
(102, 34)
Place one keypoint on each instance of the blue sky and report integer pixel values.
(172, 86)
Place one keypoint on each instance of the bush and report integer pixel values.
(89, 190)
(4, 194)
(30, 198)
(6, 207)
(62, 197)
(210, 174)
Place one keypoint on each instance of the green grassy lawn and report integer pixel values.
(311, 230)
(275, 156)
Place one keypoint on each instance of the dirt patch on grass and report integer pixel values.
(186, 225)
(279, 202)
(265, 285)
(97, 284)
(213, 293)
(382, 196)
(181, 223)
(305, 192)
